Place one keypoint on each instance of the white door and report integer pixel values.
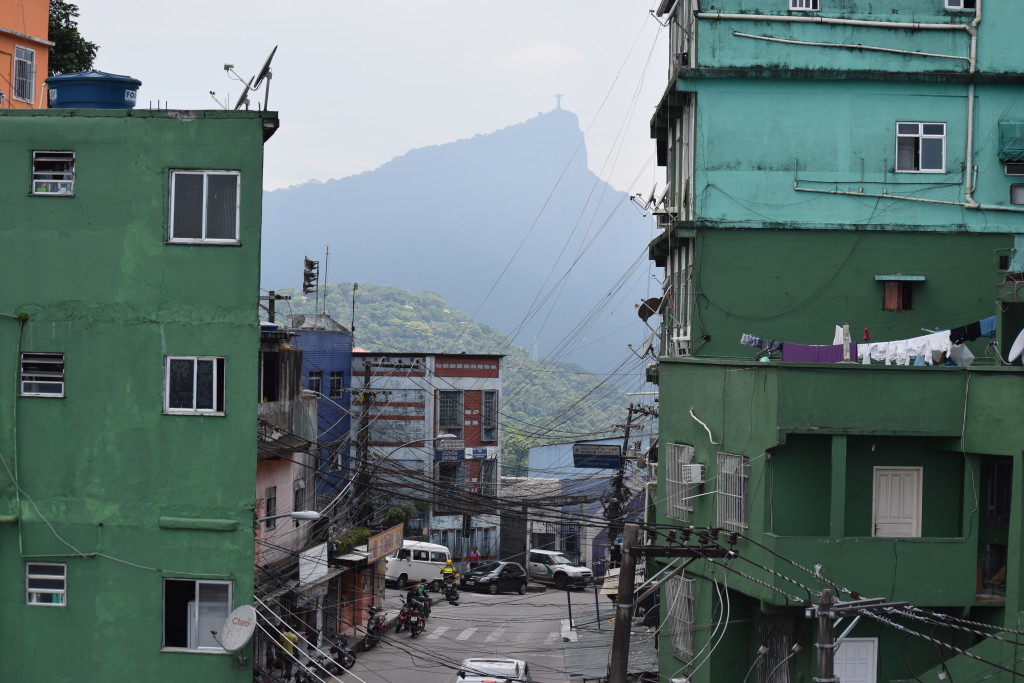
(897, 502)
(856, 660)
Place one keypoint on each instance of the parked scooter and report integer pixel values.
(343, 657)
(375, 625)
(403, 616)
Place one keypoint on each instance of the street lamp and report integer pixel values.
(298, 515)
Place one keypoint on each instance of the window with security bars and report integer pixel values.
(42, 374)
(315, 381)
(53, 173)
(336, 386)
(680, 502)
(733, 476)
(450, 413)
(204, 207)
(804, 5)
(680, 617)
(46, 583)
(489, 416)
(24, 74)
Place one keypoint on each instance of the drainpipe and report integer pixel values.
(969, 154)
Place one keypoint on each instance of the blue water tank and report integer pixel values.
(92, 90)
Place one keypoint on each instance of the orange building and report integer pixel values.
(24, 53)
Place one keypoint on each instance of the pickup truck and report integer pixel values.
(552, 567)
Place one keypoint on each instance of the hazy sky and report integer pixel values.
(360, 82)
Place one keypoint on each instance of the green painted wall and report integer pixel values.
(96, 471)
(794, 286)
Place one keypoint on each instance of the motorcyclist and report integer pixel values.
(450, 576)
(418, 593)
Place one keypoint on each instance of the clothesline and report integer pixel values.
(944, 346)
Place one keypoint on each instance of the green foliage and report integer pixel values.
(543, 402)
(398, 514)
(350, 539)
(70, 52)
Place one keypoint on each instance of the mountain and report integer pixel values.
(511, 227)
(542, 402)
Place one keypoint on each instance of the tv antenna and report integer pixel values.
(255, 82)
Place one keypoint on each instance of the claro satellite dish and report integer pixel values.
(237, 629)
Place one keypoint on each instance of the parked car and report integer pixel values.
(482, 670)
(495, 577)
(552, 567)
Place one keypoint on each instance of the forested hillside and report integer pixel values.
(542, 402)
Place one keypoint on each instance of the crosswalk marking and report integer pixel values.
(466, 635)
(498, 633)
(437, 633)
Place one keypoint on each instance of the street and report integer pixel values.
(527, 627)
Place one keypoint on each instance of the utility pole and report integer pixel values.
(826, 646)
(363, 450)
(617, 669)
(614, 509)
(270, 298)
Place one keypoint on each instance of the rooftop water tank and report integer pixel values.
(92, 90)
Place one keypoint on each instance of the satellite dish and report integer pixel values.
(650, 197)
(255, 82)
(1017, 348)
(298, 320)
(237, 629)
(646, 348)
(664, 196)
(649, 307)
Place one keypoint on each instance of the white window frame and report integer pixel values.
(680, 500)
(960, 5)
(1017, 193)
(804, 5)
(53, 173)
(315, 381)
(733, 491)
(920, 135)
(37, 584)
(201, 638)
(680, 616)
(34, 377)
(270, 507)
(336, 384)
(24, 85)
(217, 379)
(203, 238)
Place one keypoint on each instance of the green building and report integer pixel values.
(129, 337)
(831, 164)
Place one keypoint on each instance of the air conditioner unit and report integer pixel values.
(692, 474)
(666, 217)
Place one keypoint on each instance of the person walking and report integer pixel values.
(289, 640)
(474, 558)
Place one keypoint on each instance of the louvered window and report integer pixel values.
(42, 374)
(53, 173)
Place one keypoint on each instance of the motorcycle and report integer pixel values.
(451, 589)
(344, 657)
(403, 616)
(417, 619)
(375, 625)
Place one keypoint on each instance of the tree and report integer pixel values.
(70, 52)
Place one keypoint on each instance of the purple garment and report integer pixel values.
(800, 353)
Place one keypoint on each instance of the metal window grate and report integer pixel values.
(53, 173)
(680, 501)
(733, 477)
(45, 583)
(804, 5)
(680, 618)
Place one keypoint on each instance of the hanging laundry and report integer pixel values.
(900, 351)
(758, 343)
(800, 353)
(988, 326)
(867, 335)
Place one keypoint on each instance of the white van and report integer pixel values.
(416, 560)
